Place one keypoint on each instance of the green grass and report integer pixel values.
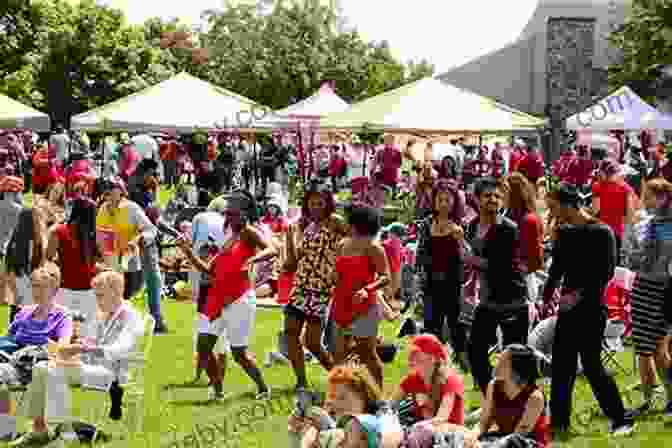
(175, 410)
(177, 415)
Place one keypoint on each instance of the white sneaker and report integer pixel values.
(623, 430)
(31, 439)
(214, 396)
(68, 434)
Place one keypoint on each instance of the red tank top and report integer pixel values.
(509, 411)
(229, 283)
(76, 274)
(354, 272)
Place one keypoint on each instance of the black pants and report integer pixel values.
(581, 331)
(442, 306)
(514, 324)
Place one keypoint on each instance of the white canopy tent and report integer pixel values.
(182, 103)
(431, 105)
(323, 102)
(15, 115)
(623, 109)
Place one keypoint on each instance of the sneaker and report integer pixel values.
(263, 396)
(213, 395)
(642, 409)
(67, 433)
(667, 412)
(624, 429)
(31, 439)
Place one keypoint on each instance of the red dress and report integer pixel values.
(354, 272)
(509, 412)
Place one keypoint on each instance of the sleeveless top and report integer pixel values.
(76, 274)
(509, 411)
(354, 272)
(228, 282)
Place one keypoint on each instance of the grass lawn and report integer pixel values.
(177, 414)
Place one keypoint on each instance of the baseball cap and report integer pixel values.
(429, 344)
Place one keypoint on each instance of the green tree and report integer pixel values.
(645, 43)
(20, 21)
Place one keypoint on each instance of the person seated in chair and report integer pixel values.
(37, 324)
(103, 363)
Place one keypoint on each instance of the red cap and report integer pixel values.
(429, 344)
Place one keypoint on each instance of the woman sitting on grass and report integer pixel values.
(433, 390)
(350, 391)
(514, 403)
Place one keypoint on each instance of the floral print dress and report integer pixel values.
(315, 278)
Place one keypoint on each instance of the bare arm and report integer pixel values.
(382, 268)
(533, 409)
(259, 241)
(52, 245)
(445, 409)
(630, 208)
(487, 412)
(198, 262)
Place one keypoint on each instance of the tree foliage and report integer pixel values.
(645, 41)
(66, 57)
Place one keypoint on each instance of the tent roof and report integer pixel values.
(182, 103)
(622, 109)
(324, 101)
(17, 115)
(431, 105)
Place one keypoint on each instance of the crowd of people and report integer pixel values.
(487, 222)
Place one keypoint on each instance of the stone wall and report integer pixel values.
(570, 48)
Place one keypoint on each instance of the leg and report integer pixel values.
(366, 349)
(294, 322)
(206, 360)
(432, 312)
(483, 335)
(453, 314)
(249, 365)
(604, 387)
(342, 341)
(565, 358)
(314, 344)
(153, 285)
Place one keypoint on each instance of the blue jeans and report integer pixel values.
(153, 284)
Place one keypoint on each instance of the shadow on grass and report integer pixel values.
(244, 397)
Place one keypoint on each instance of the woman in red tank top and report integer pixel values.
(231, 302)
(73, 247)
(362, 270)
(513, 400)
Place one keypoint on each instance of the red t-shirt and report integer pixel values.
(613, 203)
(75, 273)
(414, 384)
(229, 281)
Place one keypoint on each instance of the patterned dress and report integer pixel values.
(315, 278)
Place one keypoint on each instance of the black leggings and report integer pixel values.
(442, 306)
(514, 324)
(132, 283)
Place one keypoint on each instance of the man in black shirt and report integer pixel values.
(502, 287)
(584, 259)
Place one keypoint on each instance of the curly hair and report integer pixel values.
(358, 379)
(521, 195)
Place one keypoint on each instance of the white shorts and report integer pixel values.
(236, 321)
(83, 302)
(203, 326)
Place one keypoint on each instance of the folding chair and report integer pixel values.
(134, 389)
(612, 345)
